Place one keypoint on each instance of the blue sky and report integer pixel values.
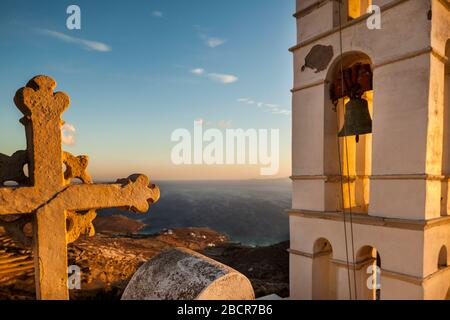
(152, 67)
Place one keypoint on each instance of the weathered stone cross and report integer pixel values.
(58, 207)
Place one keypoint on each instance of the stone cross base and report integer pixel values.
(182, 274)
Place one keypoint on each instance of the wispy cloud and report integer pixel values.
(282, 111)
(198, 71)
(222, 124)
(85, 44)
(157, 14)
(247, 101)
(217, 77)
(208, 40)
(68, 134)
(214, 42)
(266, 107)
(223, 78)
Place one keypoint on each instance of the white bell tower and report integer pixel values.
(371, 220)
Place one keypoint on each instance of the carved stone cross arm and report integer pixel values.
(133, 194)
(61, 210)
(19, 200)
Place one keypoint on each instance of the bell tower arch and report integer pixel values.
(349, 103)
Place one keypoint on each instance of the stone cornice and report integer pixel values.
(307, 86)
(346, 25)
(428, 177)
(309, 255)
(385, 62)
(365, 219)
(384, 272)
(329, 178)
(337, 178)
(358, 265)
(310, 8)
(410, 55)
(405, 56)
(308, 177)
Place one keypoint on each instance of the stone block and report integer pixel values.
(182, 274)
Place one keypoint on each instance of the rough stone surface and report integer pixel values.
(76, 168)
(182, 274)
(79, 223)
(49, 194)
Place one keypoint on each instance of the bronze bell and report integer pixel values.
(357, 119)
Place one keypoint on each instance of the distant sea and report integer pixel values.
(250, 212)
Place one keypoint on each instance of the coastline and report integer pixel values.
(109, 259)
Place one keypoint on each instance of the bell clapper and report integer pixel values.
(357, 138)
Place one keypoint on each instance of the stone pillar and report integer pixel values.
(300, 276)
(398, 288)
(314, 123)
(307, 153)
(315, 154)
(342, 290)
(407, 140)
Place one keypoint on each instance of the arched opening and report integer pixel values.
(369, 270)
(324, 279)
(357, 8)
(442, 260)
(355, 151)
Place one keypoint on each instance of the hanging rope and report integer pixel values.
(348, 175)
(342, 200)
